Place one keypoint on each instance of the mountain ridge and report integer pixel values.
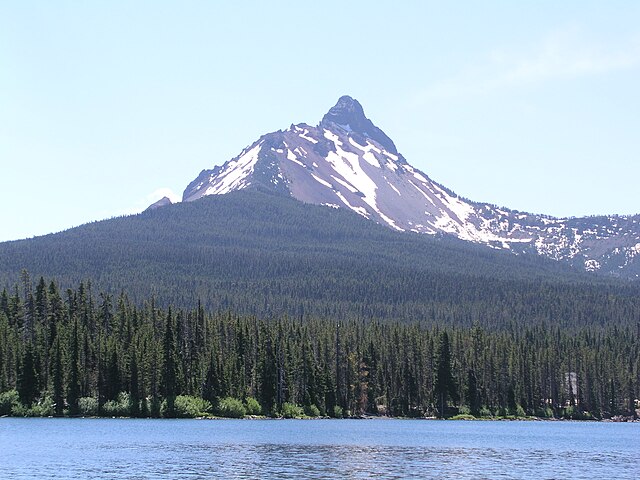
(259, 252)
(347, 162)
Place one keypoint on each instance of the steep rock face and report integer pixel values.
(163, 202)
(348, 162)
(349, 115)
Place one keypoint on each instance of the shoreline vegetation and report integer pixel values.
(188, 407)
(186, 410)
(74, 354)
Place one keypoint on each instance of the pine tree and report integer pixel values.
(445, 385)
(211, 386)
(112, 373)
(268, 375)
(169, 367)
(57, 378)
(73, 387)
(27, 379)
(134, 387)
(473, 396)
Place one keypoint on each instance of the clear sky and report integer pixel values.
(107, 105)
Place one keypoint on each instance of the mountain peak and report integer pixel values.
(348, 110)
(348, 162)
(163, 202)
(349, 115)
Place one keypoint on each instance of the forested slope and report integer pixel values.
(255, 302)
(79, 353)
(266, 254)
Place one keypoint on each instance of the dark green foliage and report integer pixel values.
(134, 387)
(147, 361)
(9, 401)
(472, 393)
(269, 379)
(444, 387)
(231, 407)
(269, 255)
(169, 367)
(57, 377)
(27, 377)
(211, 388)
(187, 406)
(73, 383)
(113, 374)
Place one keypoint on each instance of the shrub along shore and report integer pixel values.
(187, 406)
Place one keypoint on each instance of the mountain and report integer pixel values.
(258, 252)
(347, 162)
(163, 202)
(256, 248)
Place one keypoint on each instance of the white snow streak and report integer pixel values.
(323, 182)
(348, 186)
(389, 221)
(367, 155)
(357, 145)
(371, 159)
(234, 173)
(362, 211)
(306, 137)
(391, 166)
(424, 194)
(291, 156)
(347, 164)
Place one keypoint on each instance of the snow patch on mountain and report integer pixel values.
(348, 161)
(323, 182)
(236, 173)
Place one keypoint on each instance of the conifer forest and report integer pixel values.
(78, 352)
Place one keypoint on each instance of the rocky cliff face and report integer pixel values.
(348, 162)
(163, 202)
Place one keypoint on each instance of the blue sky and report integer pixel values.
(106, 105)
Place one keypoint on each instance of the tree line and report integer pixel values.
(74, 352)
(267, 255)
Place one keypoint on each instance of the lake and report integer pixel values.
(310, 449)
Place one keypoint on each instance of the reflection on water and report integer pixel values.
(156, 449)
(354, 462)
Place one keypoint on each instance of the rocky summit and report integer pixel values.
(348, 162)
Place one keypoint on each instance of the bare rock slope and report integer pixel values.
(348, 162)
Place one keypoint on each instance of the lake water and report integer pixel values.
(310, 449)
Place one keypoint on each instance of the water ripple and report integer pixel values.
(314, 450)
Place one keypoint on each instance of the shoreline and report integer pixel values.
(367, 417)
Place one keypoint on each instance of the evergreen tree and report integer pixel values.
(112, 374)
(27, 380)
(169, 367)
(473, 395)
(380, 367)
(211, 386)
(134, 388)
(73, 386)
(445, 385)
(268, 375)
(57, 377)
